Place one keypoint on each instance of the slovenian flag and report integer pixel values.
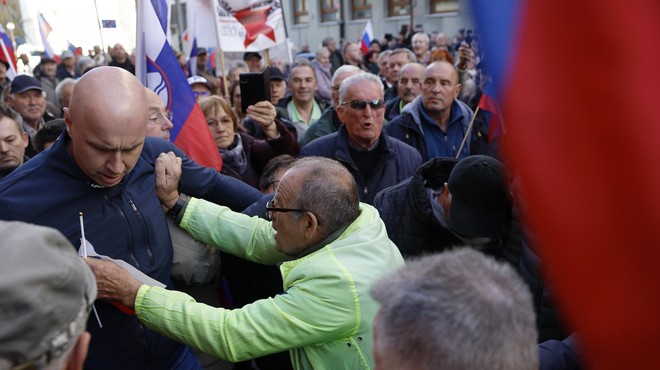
(45, 30)
(192, 61)
(583, 124)
(492, 112)
(367, 37)
(159, 70)
(7, 53)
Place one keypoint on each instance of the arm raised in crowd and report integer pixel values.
(203, 182)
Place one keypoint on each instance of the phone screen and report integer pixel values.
(255, 87)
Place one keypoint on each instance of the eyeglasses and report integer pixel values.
(157, 119)
(362, 104)
(201, 93)
(270, 209)
(227, 123)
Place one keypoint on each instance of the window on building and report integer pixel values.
(398, 7)
(443, 6)
(361, 9)
(329, 10)
(300, 14)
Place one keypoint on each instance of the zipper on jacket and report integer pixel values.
(128, 230)
(145, 229)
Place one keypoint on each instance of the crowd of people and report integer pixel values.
(362, 215)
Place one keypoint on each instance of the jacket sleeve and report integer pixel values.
(250, 238)
(305, 314)
(265, 150)
(206, 183)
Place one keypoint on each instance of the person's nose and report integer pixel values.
(167, 124)
(4, 147)
(115, 164)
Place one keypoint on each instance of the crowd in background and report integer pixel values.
(400, 117)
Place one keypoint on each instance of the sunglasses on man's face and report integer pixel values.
(362, 104)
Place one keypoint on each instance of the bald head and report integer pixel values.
(326, 188)
(110, 95)
(107, 123)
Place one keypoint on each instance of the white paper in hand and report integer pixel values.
(137, 274)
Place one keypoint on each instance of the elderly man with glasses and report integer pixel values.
(103, 165)
(332, 249)
(375, 160)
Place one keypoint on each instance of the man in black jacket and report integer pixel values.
(448, 203)
(375, 160)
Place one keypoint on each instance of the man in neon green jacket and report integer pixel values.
(332, 249)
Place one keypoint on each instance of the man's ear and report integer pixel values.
(458, 90)
(313, 230)
(67, 120)
(79, 352)
(340, 112)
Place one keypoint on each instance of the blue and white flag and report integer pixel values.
(159, 70)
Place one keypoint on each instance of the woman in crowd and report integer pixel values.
(243, 156)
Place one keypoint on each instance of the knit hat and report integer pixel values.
(47, 292)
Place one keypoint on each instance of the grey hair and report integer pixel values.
(411, 55)
(384, 54)
(358, 79)
(344, 69)
(326, 41)
(457, 310)
(328, 190)
(65, 82)
(301, 62)
(322, 50)
(421, 35)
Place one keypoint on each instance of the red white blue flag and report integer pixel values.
(45, 30)
(159, 70)
(582, 128)
(7, 53)
(492, 113)
(367, 37)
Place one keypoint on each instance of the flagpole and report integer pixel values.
(98, 22)
(467, 133)
(224, 75)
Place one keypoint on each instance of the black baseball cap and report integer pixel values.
(251, 54)
(276, 74)
(480, 191)
(201, 51)
(23, 83)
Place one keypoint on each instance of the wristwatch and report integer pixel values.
(177, 207)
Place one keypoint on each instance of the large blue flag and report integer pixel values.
(159, 70)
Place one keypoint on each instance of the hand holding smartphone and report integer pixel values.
(255, 87)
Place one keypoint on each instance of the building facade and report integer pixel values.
(310, 21)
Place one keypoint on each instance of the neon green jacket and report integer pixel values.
(324, 316)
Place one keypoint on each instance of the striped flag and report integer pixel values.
(583, 133)
(159, 70)
(367, 37)
(7, 53)
(45, 30)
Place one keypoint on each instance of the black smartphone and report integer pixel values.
(255, 87)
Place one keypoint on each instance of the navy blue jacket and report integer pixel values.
(397, 162)
(408, 127)
(407, 213)
(125, 222)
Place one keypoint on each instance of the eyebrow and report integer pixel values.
(105, 148)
